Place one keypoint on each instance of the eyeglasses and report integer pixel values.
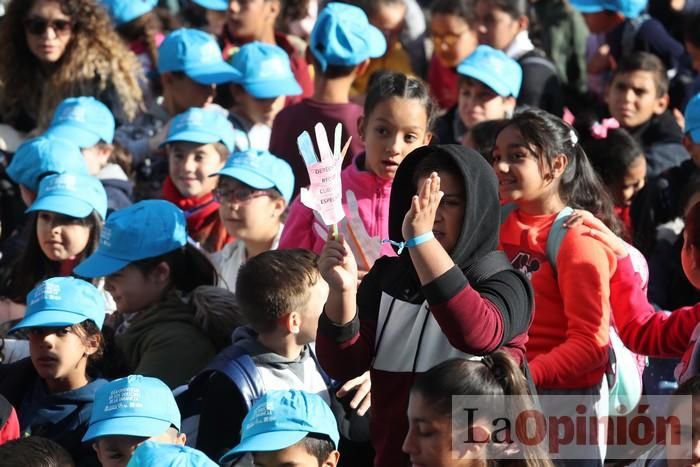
(238, 195)
(450, 39)
(37, 25)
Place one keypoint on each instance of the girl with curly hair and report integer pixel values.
(56, 49)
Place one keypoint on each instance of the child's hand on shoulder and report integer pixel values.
(337, 265)
(598, 230)
(421, 217)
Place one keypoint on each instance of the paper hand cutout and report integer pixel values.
(365, 249)
(324, 194)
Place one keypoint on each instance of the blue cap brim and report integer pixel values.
(587, 6)
(216, 5)
(189, 136)
(264, 442)
(376, 42)
(49, 319)
(100, 265)
(248, 177)
(66, 205)
(695, 135)
(486, 77)
(126, 426)
(272, 89)
(75, 134)
(217, 73)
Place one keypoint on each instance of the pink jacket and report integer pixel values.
(372, 194)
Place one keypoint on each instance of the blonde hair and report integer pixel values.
(96, 63)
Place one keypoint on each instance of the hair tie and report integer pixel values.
(599, 130)
(573, 137)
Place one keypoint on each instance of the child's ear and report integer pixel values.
(292, 322)
(331, 460)
(427, 137)
(161, 273)
(474, 450)
(361, 127)
(523, 23)
(92, 343)
(361, 68)
(559, 164)
(661, 104)
(280, 206)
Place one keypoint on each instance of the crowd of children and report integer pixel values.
(521, 219)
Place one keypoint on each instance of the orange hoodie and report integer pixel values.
(568, 339)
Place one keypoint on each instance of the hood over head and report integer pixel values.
(482, 214)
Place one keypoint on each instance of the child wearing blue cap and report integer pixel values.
(264, 80)
(129, 411)
(54, 389)
(154, 275)
(151, 454)
(489, 84)
(342, 43)
(253, 190)
(290, 427)
(198, 144)
(70, 210)
(89, 124)
(212, 14)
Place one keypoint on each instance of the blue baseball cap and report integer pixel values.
(123, 11)
(218, 5)
(493, 68)
(70, 194)
(264, 71)
(84, 121)
(628, 8)
(203, 126)
(262, 170)
(143, 230)
(343, 36)
(40, 156)
(280, 419)
(195, 53)
(150, 454)
(133, 406)
(62, 301)
(692, 119)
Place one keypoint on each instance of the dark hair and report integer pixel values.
(144, 28)
(691, 387)
(332, 71)
(692, 225)
(514, 8)
(119, 155)
(461, 8)
(34, 451)
(32, 265)
(691, 29)
(318, 446)
(644, 61)
(579, 187)
(274, 283)
(483, 134)
(434, 162)
(384, 85)
(612, 155)
(371, 7)
(189, 268)
(85, 331)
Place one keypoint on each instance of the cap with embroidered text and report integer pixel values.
(203, 126)
(196, 54)
(280, 419)
(133, 406)
(42, 156)
(264, 71)
(630, 9)
(217, 5)
(262, 170)
(72, 195)
(143, 230)
(493, 68)
(124, 11)
(84, 121)
(343, 36)
(151, 454)
(62, 301)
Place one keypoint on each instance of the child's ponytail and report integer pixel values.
(189, 268)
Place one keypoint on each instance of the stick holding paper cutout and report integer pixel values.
(325, 193)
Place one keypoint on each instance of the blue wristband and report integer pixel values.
(422, 238)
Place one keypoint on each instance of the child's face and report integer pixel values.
(295, 455)
(318, 294)
(59, 356)
(134, 291)
(183, 93)
(450, 213)
(49, 46)
(96, 157)
(216, 22)
(632, 98)
(190, 165)
(624, 190)
(389, 18)
(453, 39)
(478, 103)
(251, 19)
(395, 127)
(61, 237)
(248, 214)
(262, 111)
(496, 27)
(518, 169)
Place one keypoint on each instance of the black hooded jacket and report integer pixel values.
(404, 328)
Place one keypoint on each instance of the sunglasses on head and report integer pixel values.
(38, 26)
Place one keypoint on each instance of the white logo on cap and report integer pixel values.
(73, 113)
(249, 160)
(46, 291)
(106, 236)
(125, 398)
(272, 67)
(495, 65)
(209, 53)
(193, 119)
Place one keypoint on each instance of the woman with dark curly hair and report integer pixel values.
(56, 49)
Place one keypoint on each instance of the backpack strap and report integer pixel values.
(506, 210)
(556, 236)
(535, 58)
